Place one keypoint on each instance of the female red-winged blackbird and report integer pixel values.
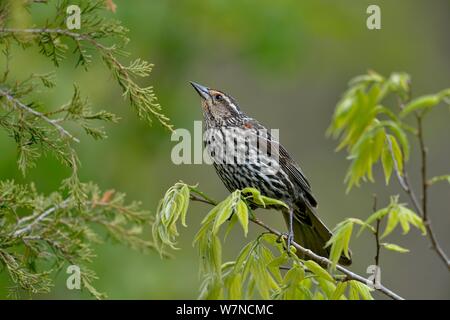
(246, 154)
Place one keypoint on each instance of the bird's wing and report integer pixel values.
(286, 162)
(296, 174)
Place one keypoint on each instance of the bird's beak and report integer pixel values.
(201, 90)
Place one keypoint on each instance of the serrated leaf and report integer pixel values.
(391, 222)
(359, 289)
(339, 291)
(328, 288)
(273, 202)
(398, 213)
(294, 276)
(185, 194)
(242, 214)
(379, 214)
(440, 178)
(387, 162)
(420, 103)
(230, 225)
(235, 286)
(340, 240)
(224, 211)
(396, 153)
(256, 197)
(173, 206)
(278, 261)
(216, 249)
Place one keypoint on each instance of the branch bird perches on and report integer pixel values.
(319, 259)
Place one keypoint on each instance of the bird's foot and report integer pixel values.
(289, 236)
(290, 239)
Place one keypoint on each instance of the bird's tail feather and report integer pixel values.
(311, 233)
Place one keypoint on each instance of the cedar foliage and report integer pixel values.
(42, 233)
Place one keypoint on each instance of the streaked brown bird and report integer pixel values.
(246, 154)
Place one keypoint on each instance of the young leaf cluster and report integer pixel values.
(263, 268)
(373, 131)
(394, 214)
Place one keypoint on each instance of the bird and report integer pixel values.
(245, 153)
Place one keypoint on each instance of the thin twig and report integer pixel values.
(421, 208)
(324, 261)
(319, 259)
(21, 106)
(431, 235)
(377, 234)
(77, 37)
(195, 198)
(39, 218)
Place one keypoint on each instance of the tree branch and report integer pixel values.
(377, 234)
(319, 259)
(77, 37)
(21, 106)
(421, 208)
(39, 218)
(423, 151)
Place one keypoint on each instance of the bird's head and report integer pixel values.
(217, 106)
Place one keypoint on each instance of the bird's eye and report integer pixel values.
(219, 97)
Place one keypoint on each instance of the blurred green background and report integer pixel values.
(286, 62)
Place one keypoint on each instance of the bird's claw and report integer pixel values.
(289, 240)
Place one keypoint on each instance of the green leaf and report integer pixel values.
(339, 291)
(327, 287)
(398, 213)
(294, 276)
(235, 286)
(224, 210)
(358, 289)
(242, 214)
(391, 222)
(273, 202)
(420, 103)
(394, 247)
(184, 194)
(253, 195)
(400, 135)
(440, 178)
(315, 268)
(278, 261)
(173, 206)
(223, 214)
(387, 162)
(396, 153)
(216, 249)
(412, 218)
(340, 240)
(230, 225)
(400, 82)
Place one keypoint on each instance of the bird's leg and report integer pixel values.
(290, 237)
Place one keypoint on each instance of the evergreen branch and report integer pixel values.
(424, 212)
(59, 230)
(21, 106)
(377, 234)
(141, 98)
(39, 218)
